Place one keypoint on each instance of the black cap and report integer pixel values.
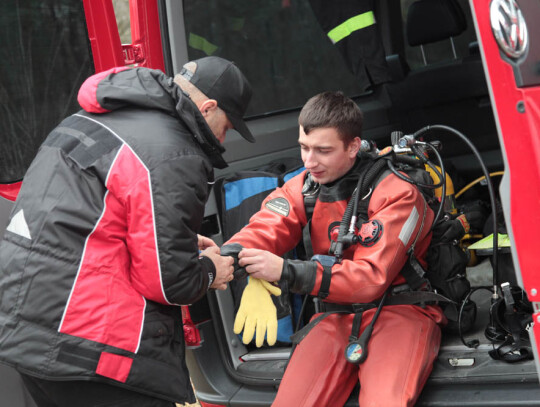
(221, 80)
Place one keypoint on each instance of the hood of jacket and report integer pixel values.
(149, 89)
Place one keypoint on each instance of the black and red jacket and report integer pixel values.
(102, 240)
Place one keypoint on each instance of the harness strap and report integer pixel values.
(363, 205)
(325, 283)
(302, 333)
(306, 238)
(356, 324)
(413, 271)
(297, 337)
(417, 298)
(309, 203)
(367, 182)
(403, 298)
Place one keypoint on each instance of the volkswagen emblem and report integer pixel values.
(509, 27)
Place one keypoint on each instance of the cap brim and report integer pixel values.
(240, 126)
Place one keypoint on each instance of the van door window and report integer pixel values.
(45, 57)
(278, 44)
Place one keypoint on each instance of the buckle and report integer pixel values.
(357, 308)
(398, 289)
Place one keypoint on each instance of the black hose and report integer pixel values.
(409, 179)
(406, 159)
(363, 183)
(490, 190)
(473, 343)
(343, 227)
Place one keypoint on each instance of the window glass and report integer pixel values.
(439, 51)
(121, 12)
(278, 44)
(45, 57)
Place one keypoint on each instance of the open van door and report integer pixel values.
(509, 37)
(45, 58)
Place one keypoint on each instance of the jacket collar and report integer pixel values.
(149, 89)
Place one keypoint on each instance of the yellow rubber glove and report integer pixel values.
(257, 311)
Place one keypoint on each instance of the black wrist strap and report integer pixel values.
(325, 283)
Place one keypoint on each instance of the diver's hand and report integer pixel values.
(261, 264)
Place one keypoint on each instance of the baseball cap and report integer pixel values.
(221, 80)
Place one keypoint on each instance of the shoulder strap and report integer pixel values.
(413, 271)
(370, 174)
(310, 191)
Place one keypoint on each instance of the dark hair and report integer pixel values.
(332, 109)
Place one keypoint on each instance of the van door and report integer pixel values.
(509, 37)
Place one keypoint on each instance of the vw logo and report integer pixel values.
(509, 27)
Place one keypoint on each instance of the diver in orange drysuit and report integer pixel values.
(405, 340)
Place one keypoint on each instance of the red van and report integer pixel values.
(472, 66)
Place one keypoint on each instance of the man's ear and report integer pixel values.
(207, 106)
(354, 146)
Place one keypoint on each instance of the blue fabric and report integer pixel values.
(237, 191)
(285, 329)
(293, 174)
(297, 301)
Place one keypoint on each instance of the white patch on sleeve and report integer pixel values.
(408, 227)
(19, 226)
(279, 205)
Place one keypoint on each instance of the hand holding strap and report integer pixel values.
(232, 250)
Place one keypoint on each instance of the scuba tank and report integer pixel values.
(450, 199)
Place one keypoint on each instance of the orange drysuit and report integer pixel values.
(405, 339)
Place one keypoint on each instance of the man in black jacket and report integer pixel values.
(102, 243)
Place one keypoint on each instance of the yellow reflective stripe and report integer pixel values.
(351, 25)
(235, 23)
(202, 44)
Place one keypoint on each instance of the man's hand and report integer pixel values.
(224, 267)
(257, 312)
(261, 264)
(233, 249)
(205, 242)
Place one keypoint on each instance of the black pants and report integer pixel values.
(82, 393)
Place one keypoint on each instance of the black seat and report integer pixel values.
(453, 92)
(430, 21)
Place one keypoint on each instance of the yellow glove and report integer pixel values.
(257, 310)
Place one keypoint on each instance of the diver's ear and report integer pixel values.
(354, 147)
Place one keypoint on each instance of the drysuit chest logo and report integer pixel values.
(370, 232)
(278, 205)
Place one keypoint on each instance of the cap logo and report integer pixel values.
(186, 74)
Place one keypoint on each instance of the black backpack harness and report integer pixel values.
(416, 291)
